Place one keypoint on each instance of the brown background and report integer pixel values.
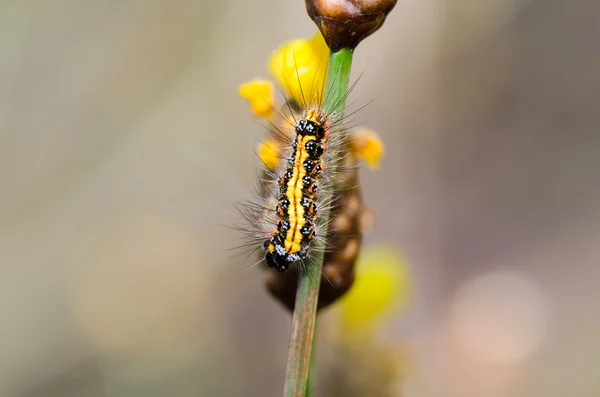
(123, 144)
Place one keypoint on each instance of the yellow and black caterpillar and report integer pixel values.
(296, 207)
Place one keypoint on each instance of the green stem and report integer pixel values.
(338, 79)
(310, 383)
(309, 277)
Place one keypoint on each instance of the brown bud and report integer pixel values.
(345, 23)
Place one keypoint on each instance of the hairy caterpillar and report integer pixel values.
(309, 158)
(347, 220)
(298, 188)
(310, 144)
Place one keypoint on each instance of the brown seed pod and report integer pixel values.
(345, 23)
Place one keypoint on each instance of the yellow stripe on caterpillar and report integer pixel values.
(298, 189)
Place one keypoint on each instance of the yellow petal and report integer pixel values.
(300, 67)
(259, 94)
(268, 153)
(367, 146)
(382, 284)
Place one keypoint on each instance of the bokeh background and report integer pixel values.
(123, 144)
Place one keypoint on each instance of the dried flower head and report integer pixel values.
(345, 23)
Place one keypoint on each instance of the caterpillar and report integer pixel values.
(298, 188)
(309, 145)
(310, 166)
(337, 189)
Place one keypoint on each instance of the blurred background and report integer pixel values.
(123, 144)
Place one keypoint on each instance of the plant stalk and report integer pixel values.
(309, 277)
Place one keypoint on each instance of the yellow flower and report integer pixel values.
(259, 94)
(367, 146)
(300, 67)
(268, 153)
(383, 284)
